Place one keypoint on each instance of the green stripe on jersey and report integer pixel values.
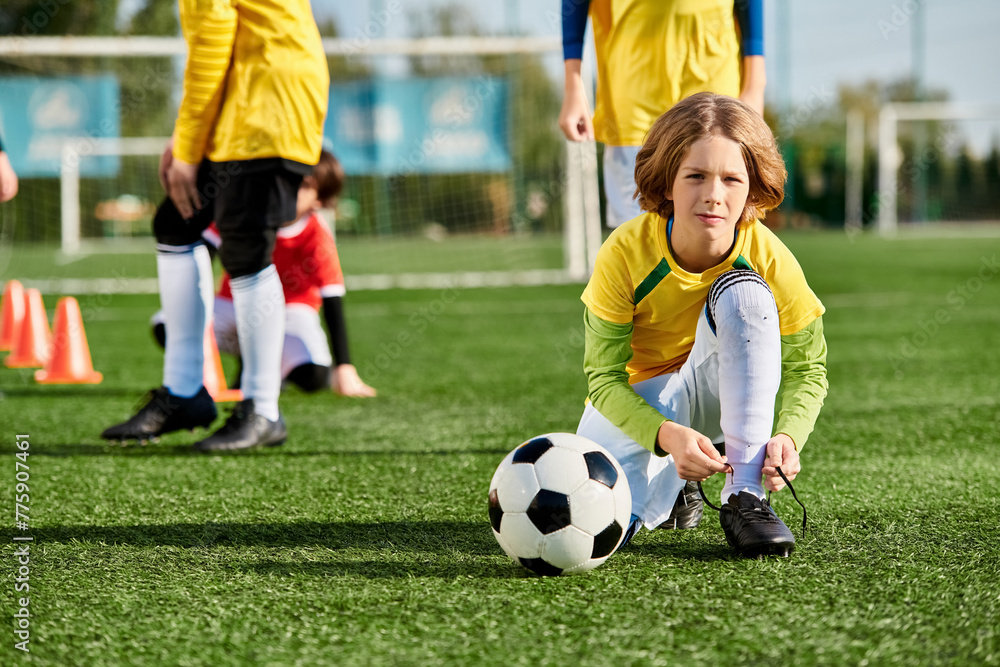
(741, 263)
(651, 281)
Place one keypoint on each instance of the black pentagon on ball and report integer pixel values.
(532, 450)
(496, 512)
(549, 511)
(539, 566)
(601, 468)
(606, 541)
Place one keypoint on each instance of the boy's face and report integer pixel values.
(710, 189)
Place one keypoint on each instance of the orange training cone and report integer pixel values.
(31, 350)
(214, 378)
(69, 361)
(11, 314)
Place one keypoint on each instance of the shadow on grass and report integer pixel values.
(133, 449)
(162, 449)
(392, 549)
(460, 537)
(73, 391)
(384, 569)
(686, 550)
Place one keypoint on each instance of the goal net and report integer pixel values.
(937, 163)
(456, 169)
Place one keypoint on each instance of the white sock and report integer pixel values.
(746, 322)
(260, 325)
(186, 287)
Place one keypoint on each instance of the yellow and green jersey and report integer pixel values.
(648, 308)
(256, 84)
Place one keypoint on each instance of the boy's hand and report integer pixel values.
(182, 187)
(695, 457)
(8, 179)
(165, 159)
(574, 118)
(347, 382)
(780, 452)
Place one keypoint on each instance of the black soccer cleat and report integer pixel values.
(164, 413)
(687, 511)
(245, 429)
(753, 529)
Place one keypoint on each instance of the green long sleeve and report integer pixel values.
(803, 381)
(608, 350)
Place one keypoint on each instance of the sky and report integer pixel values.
(829, 42)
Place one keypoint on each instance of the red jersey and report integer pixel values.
(305, 256)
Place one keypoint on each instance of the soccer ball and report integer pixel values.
(559, 504)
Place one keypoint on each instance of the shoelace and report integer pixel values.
(787, 483)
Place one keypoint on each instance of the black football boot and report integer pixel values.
(163, 413)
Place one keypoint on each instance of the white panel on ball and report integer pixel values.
(521, 536)
(585, 566)
(567, 548)
(517, 487)
(623, 502)
(593, 507)
(572, 441)
(503, 545)
(501, 469)
(561, 470)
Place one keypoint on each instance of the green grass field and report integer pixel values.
(365, 540)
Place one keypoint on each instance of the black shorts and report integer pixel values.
(248, 201)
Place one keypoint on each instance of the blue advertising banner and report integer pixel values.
(37, 115)
(440, 125)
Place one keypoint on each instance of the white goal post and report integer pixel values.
(69, 176)
(889, 155)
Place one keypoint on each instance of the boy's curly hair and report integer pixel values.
(704, 115)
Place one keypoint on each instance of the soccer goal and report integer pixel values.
(937, 163)
(457, 171)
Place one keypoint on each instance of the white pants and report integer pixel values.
(305, 341)
(691, 397)
(619, 184)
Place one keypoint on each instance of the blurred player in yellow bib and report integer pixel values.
(249, 129)
(650, 55)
